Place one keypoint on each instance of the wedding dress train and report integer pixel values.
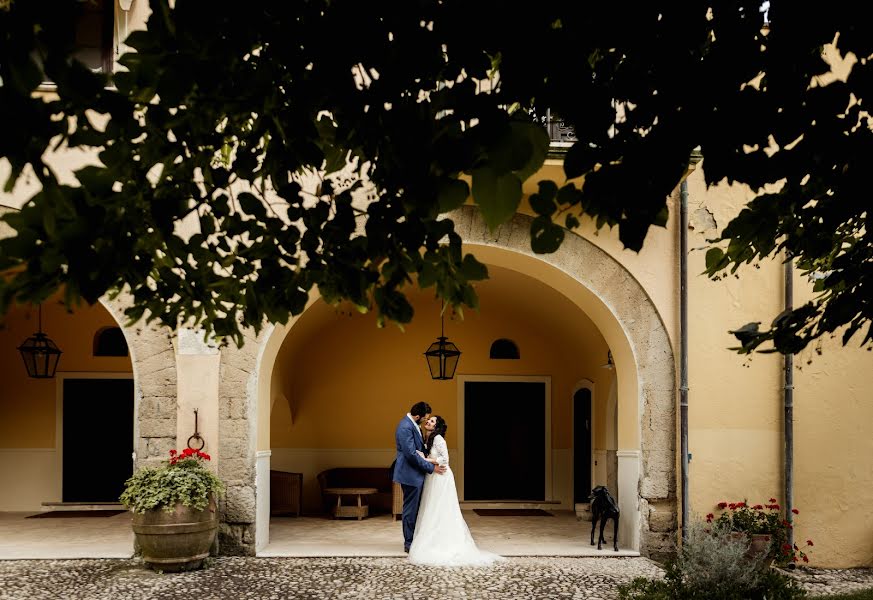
(442, 538)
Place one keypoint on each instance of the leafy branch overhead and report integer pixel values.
(249, 156)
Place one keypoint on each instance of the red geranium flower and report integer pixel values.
(809, 543)
(795, 511)
(722, 505)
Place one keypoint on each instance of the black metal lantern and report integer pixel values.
(442, 356)
(40, 354)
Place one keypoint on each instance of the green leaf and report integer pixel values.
(452, 194)
(546, 236)
(548, 189)
(427, 276)
(251, 205)
(715, 260)
(571, 222)
(472, 269)
(498, 196)
(538, 139)
(542, 205)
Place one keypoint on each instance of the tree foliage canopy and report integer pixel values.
(221, 115)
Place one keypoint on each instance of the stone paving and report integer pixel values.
(348, 578)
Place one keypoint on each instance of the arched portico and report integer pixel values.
(52, 424)
(614, 301)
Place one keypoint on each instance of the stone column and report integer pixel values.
(237, 407)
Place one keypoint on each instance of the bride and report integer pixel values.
(442, 537)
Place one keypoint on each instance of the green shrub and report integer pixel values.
(182, 479)
(712, 565)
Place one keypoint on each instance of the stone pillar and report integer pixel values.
(629, 498)
(237, 428)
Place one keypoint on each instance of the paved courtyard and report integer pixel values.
(348, 578)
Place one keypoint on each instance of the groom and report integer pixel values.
(410, 468)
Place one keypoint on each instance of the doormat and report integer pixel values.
(67, 514)
(512, 512)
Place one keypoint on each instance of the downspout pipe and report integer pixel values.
(788, 405)
(683, 350)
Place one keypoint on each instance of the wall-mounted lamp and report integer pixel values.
(609, 364)
(40, 354)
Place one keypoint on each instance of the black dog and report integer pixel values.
(603, 507)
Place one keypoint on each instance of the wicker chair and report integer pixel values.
(397, 501)
(286, 493)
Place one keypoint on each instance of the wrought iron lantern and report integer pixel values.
(40, 354)
(442, 356)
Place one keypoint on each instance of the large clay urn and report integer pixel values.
(760, 546)
(176, 540)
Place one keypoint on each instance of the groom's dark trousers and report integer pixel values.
(411, 502)
(409, 471)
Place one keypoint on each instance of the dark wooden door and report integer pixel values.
(504, 440)
(97, 438)
(581, 445)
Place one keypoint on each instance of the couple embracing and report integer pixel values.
(434, 530)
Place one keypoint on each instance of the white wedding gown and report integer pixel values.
(442, 538)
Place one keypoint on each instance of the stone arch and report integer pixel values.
(644, 364)
(154, 379)
(588, 276)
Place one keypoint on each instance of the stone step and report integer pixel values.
(49, 506)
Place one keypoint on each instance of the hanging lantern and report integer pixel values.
(442, 356)
(40, 354)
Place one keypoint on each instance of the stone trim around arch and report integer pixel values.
(647, 462)
(153, 360)
(652, 355)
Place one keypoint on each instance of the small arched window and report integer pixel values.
(504, 348)
(110, 341)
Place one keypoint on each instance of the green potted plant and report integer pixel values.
(765, 528)
(174, 510)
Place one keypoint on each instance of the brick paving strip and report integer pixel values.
(346, 578)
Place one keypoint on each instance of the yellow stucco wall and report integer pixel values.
(736, 410)
(344, 383)
(27, 406)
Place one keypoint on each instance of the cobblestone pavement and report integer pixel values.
(346, 578)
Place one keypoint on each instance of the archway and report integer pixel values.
(121, 406)
(624, 315)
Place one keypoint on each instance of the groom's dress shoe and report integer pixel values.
(406, 550)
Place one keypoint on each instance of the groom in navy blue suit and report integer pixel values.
(410, 468)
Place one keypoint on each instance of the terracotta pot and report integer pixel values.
(176, 540)
(760, 546)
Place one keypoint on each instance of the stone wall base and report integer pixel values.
(236, 539)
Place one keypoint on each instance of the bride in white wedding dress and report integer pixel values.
(442, 538)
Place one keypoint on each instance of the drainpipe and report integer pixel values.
(683, 348)
(788, 398)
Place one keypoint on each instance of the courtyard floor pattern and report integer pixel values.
(347, 578)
